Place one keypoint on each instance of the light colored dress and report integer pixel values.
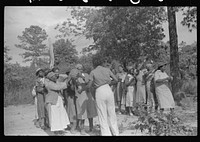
(58, 117)
(35, 102)
(163, 92)
(81, 100)
(141, 92)
(130, 93)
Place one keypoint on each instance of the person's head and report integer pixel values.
(52, 76)
(67, 72)
(46, 71)
(129, 69)
(162, 66)
(149, 66)
(56, 71)
(79, 67)
(40, 72)
(121, 69)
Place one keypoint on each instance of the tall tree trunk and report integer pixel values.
(174, 57)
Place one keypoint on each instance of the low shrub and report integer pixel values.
(156, 124)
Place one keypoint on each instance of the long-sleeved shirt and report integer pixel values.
(53, 90)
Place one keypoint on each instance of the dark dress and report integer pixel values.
(71, 103)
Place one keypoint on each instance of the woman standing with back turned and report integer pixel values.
(104, 96)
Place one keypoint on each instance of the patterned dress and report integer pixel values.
(141, 92)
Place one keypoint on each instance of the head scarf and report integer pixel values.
(79, 66)
(50, 75)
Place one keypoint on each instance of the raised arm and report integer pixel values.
(56, 86)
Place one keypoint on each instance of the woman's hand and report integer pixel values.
(170, 78)
(80, 89)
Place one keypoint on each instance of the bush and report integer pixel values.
(155, 124)
(190, 87)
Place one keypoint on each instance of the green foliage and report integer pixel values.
(155, 124)
(119, 32)
(6, 57)
(86, 61)
(31, 41)
(190, 17)
(189, 87)
(18, 84)
(64, 51)
(188, 59)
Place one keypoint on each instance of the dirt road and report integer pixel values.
(18, 120)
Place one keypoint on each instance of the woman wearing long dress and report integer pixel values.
(57, 114)
(71, 106)
(81, 104)
(130, 95)
(35, 103)
(148, 79)
(121, 87)
(86, 106)
(164, 94)
(40, 94)
(141, 91)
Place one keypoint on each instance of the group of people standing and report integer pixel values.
(65, 101)
(144, 84)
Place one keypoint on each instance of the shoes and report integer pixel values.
(83, 132)
(59, 133)
(44, 128)
(119, 113)
(130, 114)
(37, 124)
(68, 128)
(73, 131)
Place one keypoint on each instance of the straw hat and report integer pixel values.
(38, 70)
(161, 64)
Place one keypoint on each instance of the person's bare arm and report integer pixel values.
(56, 86)
(127, 82)
(113, 77)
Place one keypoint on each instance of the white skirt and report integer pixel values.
(59, 117)
(36, 111)
(165, 97)
(129, 96)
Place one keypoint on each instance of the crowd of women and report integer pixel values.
(65, 101)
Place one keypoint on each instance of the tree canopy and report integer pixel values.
(31, 41)
(120, 32)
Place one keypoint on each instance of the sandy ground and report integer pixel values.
(18, 120)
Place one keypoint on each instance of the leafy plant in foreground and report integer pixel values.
(156, 124)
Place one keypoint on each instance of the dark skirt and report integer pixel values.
(40, 105)
(71, 105)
